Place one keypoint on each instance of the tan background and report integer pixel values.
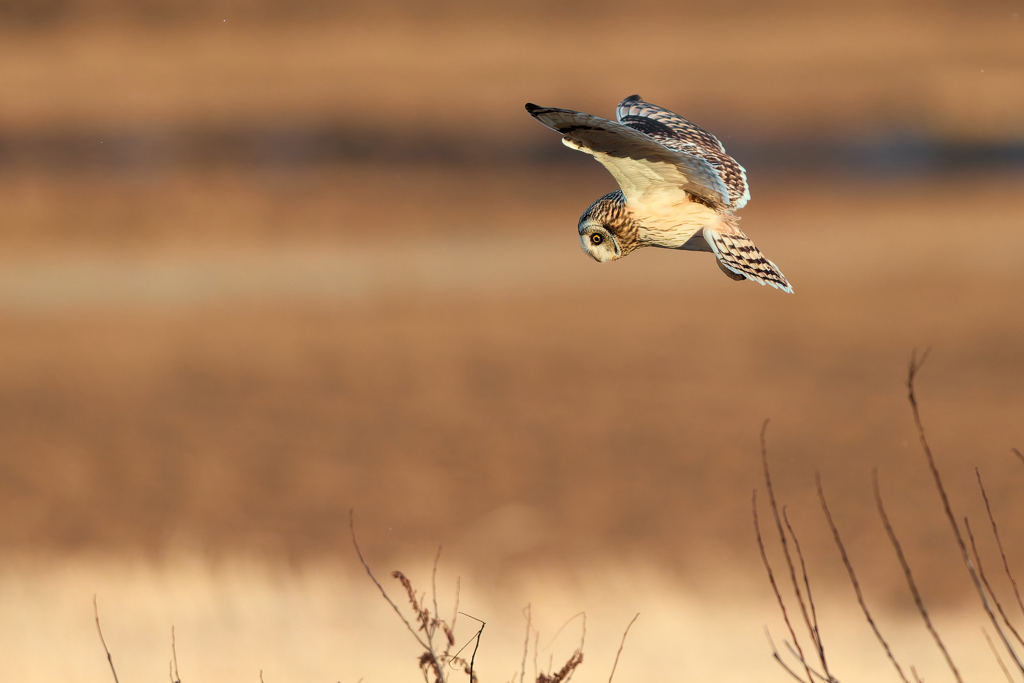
(261, 264)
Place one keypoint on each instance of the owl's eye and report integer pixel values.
(597, 238)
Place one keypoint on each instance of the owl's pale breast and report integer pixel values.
(673, 226)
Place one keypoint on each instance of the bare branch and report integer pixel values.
(528, 613)
(914, 368)
(433, 592)
(778, 658)
(778, 595)
(562, 628)
(811, 627)
(110, 660)
(785, 547)
(567, 671)
(853, 580)
(458, 592)
(425, 645)
(355, 544)
(995, 653)
(999, 543)
(910, 577)
(176, 678)
(536, 648)
(981, 573)
(819, 676)
(1020, 456)
(472, 659)
(621, 644)
(912, 371)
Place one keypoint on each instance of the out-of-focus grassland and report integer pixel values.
(816, 68)
(257, 272)
(321, 623)
(501, 394)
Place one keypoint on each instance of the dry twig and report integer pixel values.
(583, 635)
(789, 561)
(819, 676)
(579, 650)
(175, 676)
(431, 658)
(995, 653)
(778, 596)
(536, 648)
(528, 613)
(110, 660)
(812, 626)
(352, 529)
(458, 593)
(621, 644)
(910, 578)
(472, 660)
(853, 580)
(913, 369)
(984, 580)
(778, 658)
(999, 543)
(785, 551)
(433, 584)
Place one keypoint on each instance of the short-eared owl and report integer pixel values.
(678, 188)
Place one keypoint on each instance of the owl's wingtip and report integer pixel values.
(531, 107)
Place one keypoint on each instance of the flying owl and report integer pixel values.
(678, 188)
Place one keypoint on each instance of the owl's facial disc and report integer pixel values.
(599, 242)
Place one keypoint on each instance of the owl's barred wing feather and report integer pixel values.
(680, 133)
(675, 132)
(736, 253)
(647, 171)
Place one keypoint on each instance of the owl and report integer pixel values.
(678, 189)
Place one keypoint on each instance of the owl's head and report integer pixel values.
(601, 228)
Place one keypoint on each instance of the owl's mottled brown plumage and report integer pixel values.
(612, 212)
(678, 188)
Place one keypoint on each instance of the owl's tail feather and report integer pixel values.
(739, 258)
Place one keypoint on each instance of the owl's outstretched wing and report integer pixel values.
(647, 171)
(675, 132)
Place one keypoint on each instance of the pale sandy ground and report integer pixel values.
(329, 624)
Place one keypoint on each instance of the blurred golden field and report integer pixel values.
(261, 266)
